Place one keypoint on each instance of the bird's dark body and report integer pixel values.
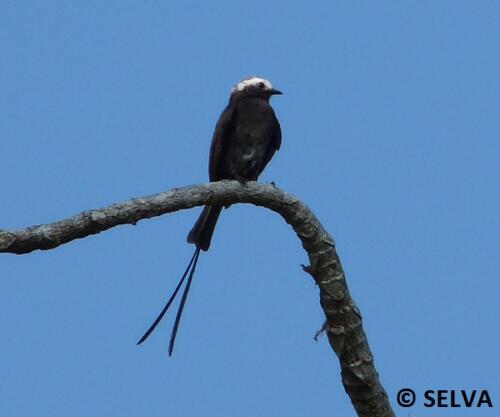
(252, 137)
(246, 137)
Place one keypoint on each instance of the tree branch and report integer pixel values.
(343, 324)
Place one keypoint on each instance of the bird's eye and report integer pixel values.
(261, 85)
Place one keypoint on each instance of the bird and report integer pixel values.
(246, 136)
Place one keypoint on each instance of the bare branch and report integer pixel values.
(343, 324)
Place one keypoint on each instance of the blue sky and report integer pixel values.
(390, 134)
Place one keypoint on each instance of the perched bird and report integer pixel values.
(246, 137)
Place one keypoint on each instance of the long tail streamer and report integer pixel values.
(189, 270)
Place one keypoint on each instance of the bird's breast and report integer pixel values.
(250, 139)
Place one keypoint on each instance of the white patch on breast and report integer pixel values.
(249, 154)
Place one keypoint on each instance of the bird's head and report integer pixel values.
(253, 87)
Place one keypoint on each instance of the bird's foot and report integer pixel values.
(242, 180)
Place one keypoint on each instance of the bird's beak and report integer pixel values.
(273, 92)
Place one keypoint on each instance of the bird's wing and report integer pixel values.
(277, 135)
(218, 145)
(274, 145)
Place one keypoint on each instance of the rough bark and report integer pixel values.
(343, 324)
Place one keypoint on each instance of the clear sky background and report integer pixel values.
(391, 130)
